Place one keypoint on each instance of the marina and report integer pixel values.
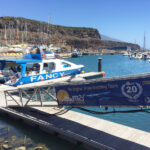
(74, 80)
(69, 128)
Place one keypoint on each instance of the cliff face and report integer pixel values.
(20, 30)
(119, 45)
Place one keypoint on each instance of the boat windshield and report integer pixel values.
(49, 67)
(65, 65)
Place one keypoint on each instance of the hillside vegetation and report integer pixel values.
(20, 30)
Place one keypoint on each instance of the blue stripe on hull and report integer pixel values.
(47, 76)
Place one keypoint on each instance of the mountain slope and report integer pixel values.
(107, 38)
(20, 30)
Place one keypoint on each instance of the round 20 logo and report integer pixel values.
(132, 91)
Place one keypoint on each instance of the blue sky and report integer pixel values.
(126, 20)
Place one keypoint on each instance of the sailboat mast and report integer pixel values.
(48, 29)
(9, 33)
(26, 31)
(22, 33)
(17, 35)
(144, 42)
(5, 35)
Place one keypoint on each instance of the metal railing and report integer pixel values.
(33, 96)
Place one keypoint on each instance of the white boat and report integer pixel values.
(126, 54)
(75, 53)
(138, 56)
(35, 68)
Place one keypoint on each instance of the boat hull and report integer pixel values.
(47, 76)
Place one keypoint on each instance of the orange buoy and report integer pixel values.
(43, 56)
(13, 79)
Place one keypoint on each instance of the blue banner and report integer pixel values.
(125, 91)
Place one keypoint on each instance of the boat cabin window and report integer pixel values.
(48, 67)
(38, 51)
(44, 50)
(65, 65)
(8, 65)
(10, 69)
(32, 69)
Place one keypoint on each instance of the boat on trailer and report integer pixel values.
(40, 66)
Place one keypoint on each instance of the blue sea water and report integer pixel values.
(117, 65)
(113, 65)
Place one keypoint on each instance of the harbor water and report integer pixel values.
(118, 65)
(113, 65)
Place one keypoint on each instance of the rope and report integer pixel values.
(114, 111)
(62, 111)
